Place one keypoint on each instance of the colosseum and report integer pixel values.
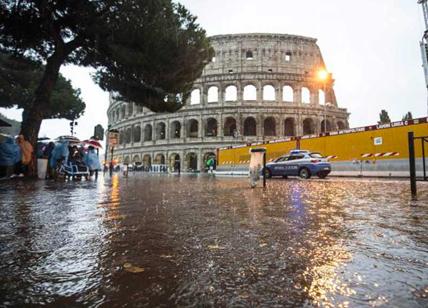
(257, 87)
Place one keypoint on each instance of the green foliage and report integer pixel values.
(384, 117)
(148, 52)
(19, 78)
(408, 116)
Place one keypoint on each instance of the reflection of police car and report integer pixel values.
(300, 163)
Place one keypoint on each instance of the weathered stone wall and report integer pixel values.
(258, 87)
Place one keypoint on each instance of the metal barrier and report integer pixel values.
(412, 161)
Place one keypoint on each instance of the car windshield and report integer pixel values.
(315, 155)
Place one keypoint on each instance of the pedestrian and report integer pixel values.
(210, 165)
(91, 160)
(26, 148)
(10, 154)
(177, 166)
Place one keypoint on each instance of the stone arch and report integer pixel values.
(249, 55)
(325, 126)
(213, 94)
(289, 127)
(288, 94)
(250, 127)
(137, 133)
(321, 97)
(159, 159)
(126, 160)
(192, 161)
(269, 93)
(148, 132)
(130, 109)
(136, 159)
(269, 126)
(211, 127)
(174, 162)
(175, 130)
(341, 125)
(122, 139)
(128, 135)
(231, 93)
(122, 112)
(306, 96)
(193, 128)
(160, 131)
(195, 97)
(250, 93)
(147, 161)
(229, 126)
(308, 126)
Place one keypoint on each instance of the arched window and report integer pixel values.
(250, 93)
(231, 94)
(341, 125)
(123, 112)
(306, 96)
(137, 134)
(229, 126)
(193, 129)
(148, 133)
(269, 127)
(122, 138)
(117, 114)
(159, 159)
(289, 127)
(287, 94)
(321, 97)
(211, 128)
(249, 55)
(175, 130)
(308, 127)
(130, 109)
(250, 127)
(269, 93)
(325, 126)
(288, 56)
(160, 131)
(195, 97)
(213, 95)
(128, 135)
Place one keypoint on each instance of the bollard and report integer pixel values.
(412, 164)
(264, 168)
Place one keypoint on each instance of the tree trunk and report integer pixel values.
(33, 116)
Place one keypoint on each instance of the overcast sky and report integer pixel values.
(370, 46)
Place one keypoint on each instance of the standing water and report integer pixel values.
(157, 240)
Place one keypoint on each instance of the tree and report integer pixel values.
(384, 117)
(408, 116)
(19, 78)
(146, 51)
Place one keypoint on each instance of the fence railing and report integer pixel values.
(412, 161)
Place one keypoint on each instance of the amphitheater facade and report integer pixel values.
(257, 88)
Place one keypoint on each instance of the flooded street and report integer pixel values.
(159, 240)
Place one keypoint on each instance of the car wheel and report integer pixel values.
(322, 175)
(268, 173)
(304, 173)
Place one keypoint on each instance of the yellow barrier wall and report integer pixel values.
(346, 146)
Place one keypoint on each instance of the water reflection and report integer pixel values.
(205, 241)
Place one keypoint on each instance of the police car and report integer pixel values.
(299, 163)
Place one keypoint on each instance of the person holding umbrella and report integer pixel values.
(92, 161)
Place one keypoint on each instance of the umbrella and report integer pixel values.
(4, 123)
(93, 142)
(70, 139)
